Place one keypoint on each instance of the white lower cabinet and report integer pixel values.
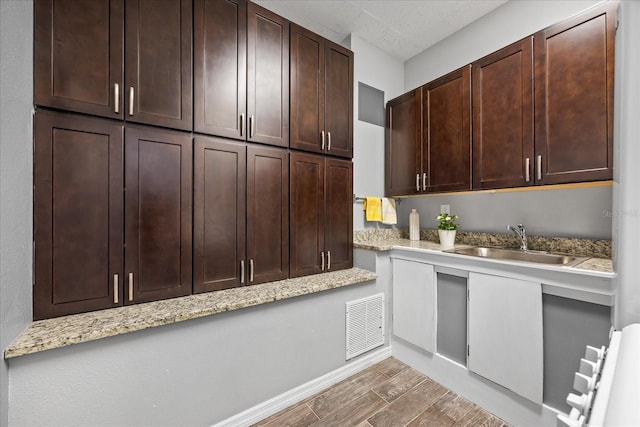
(505, 333)
(414, 311)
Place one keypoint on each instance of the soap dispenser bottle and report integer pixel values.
(414, 225)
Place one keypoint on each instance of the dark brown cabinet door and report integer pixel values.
(307, 90)
(78, 56)
(267, 214)
(157, 211)
(267, 77)
(77, 214)
(574, 67)
(402, 145)
(338, 110)
(307, 214)
(338, 214)
(446, 132)
(220, 67)
(158, 63)
(219, 231)
(503, 117)
(241, 230)
(321, 95)
(321, 214)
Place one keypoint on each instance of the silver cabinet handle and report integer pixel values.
(322, 133)
(131, 95)
(322, 257)
(250, 270)
(242, 271)
(328, 260)
(418, 182)
(424, 181)
(241, 124)
(539, 168)
(526, 169)
(116, 300)
(252, 122)
(329, 141)
(116, 98)
(130, 286)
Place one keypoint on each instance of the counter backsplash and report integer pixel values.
(564, 245)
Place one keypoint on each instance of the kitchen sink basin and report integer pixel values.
(518, 255)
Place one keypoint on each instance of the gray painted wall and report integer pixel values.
(16, 47)
(193, 373)
(626, 197)
(564, 213)
(377, 69)
(569, 326)
(584, 212)
(502, 26)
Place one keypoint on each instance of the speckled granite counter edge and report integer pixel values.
(78, 328)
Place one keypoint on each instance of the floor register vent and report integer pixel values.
(365, 325)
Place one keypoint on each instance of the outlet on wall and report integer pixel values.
(444, 209)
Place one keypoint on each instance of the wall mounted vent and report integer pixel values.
(365, 325)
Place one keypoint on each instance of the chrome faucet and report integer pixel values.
(521, 233)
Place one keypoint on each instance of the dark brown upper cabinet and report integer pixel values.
(241, 69)
(503, 117)
(428, 137)
(446, 132)
(321, 214)
(241, 229)
(158, 63)
(220, 67)
(403, 145)
(79, 51)
(321, 94)
(574, 70)
(157, 214)
(542, 114)
(78, 223)
(98, 246)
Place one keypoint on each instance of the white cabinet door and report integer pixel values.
(505, 333)
(414, 303)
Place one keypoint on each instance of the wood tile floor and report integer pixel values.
(388, 394)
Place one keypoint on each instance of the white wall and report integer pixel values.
(16, 153)
(626, 197)
(378, 69)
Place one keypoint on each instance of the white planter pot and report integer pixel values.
(447, 237)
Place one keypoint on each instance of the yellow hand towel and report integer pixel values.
(389, 215)
(373, 208)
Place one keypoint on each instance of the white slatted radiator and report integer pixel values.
(609, 384)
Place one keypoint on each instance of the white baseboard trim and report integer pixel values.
(308, 389)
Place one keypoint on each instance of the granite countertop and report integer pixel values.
(371, 242)
(63, 331)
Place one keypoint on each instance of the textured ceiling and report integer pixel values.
(402, 28)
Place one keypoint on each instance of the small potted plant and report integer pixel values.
(447, 227)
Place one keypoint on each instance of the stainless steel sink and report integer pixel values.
(519, 255)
